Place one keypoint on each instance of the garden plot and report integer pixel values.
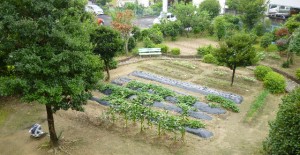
(187, 86)
(239, 78)
(137, 108)
(170, 72)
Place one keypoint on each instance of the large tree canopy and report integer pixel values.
(211, 6)
(47, 43)
(250, 11)
(191, 17)
(237, 51)
(107, 43)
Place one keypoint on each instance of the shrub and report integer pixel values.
(274, 82)
(131, 43)
(298, 73)
(137, 34)
(259, 29)
(282, 32)
(164, 48)
(274, 56)
(261, 71)
(282, 44)
(175, 51)
(285, 64)
(261, 55)
(155, 35)
(172, 29)
(113, 64)
(209, 58)
(266, 40)
(201, 51)
(148, 43)
(225, 103)
(284, 132)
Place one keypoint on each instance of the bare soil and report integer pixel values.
(188, 46)
(90, 132)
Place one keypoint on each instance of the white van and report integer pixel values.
(95, 9)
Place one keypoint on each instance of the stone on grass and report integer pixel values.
(102, 102)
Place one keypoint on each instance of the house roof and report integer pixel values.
(290, 3)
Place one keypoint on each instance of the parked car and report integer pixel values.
(95, 9)
(167, 16)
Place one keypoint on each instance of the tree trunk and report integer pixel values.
(53, 136)
(233, 73)
(126, 44)
(107, 70)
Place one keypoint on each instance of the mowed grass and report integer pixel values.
(256, 106)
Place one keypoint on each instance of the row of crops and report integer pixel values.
(134, 103)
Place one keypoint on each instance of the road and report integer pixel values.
(144, 22)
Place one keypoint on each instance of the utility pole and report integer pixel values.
(165, 6)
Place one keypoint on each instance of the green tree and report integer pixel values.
(236, 51)
(294, 45)
(219, 27)
(103, 2)
(284, 133)
(191, 17)
(122, 21)
(211, 6)
(293, 23)
(49, 48)
(107, 43)
(250, 11)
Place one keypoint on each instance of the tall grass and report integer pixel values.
(256, 106)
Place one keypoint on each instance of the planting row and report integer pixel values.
(187, 86)
(149, 99)
(138, 109)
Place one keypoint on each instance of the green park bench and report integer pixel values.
(149, 51)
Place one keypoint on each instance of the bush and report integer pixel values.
(209, 58)
(282, 32)
(261, 71)
(266, 40)
(282, 44)
(298, 73)
(137, 34)
(284, 132)
(164, 48)
(175, 51)
(201, 51)
(274, 82)
(259, 29)
(148, 43)
(113, 64)
(285, 64)
(131, 43)
(155, 35)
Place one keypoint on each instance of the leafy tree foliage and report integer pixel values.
(107, 42)
(211, 6)
(293, 23)
(191, 17)
(251, 11)
(122, 22)
(219, 27)
(47, 43)
(284, 133)
(103, 2)
(266, 40)
(237, 51)
(294, 45)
